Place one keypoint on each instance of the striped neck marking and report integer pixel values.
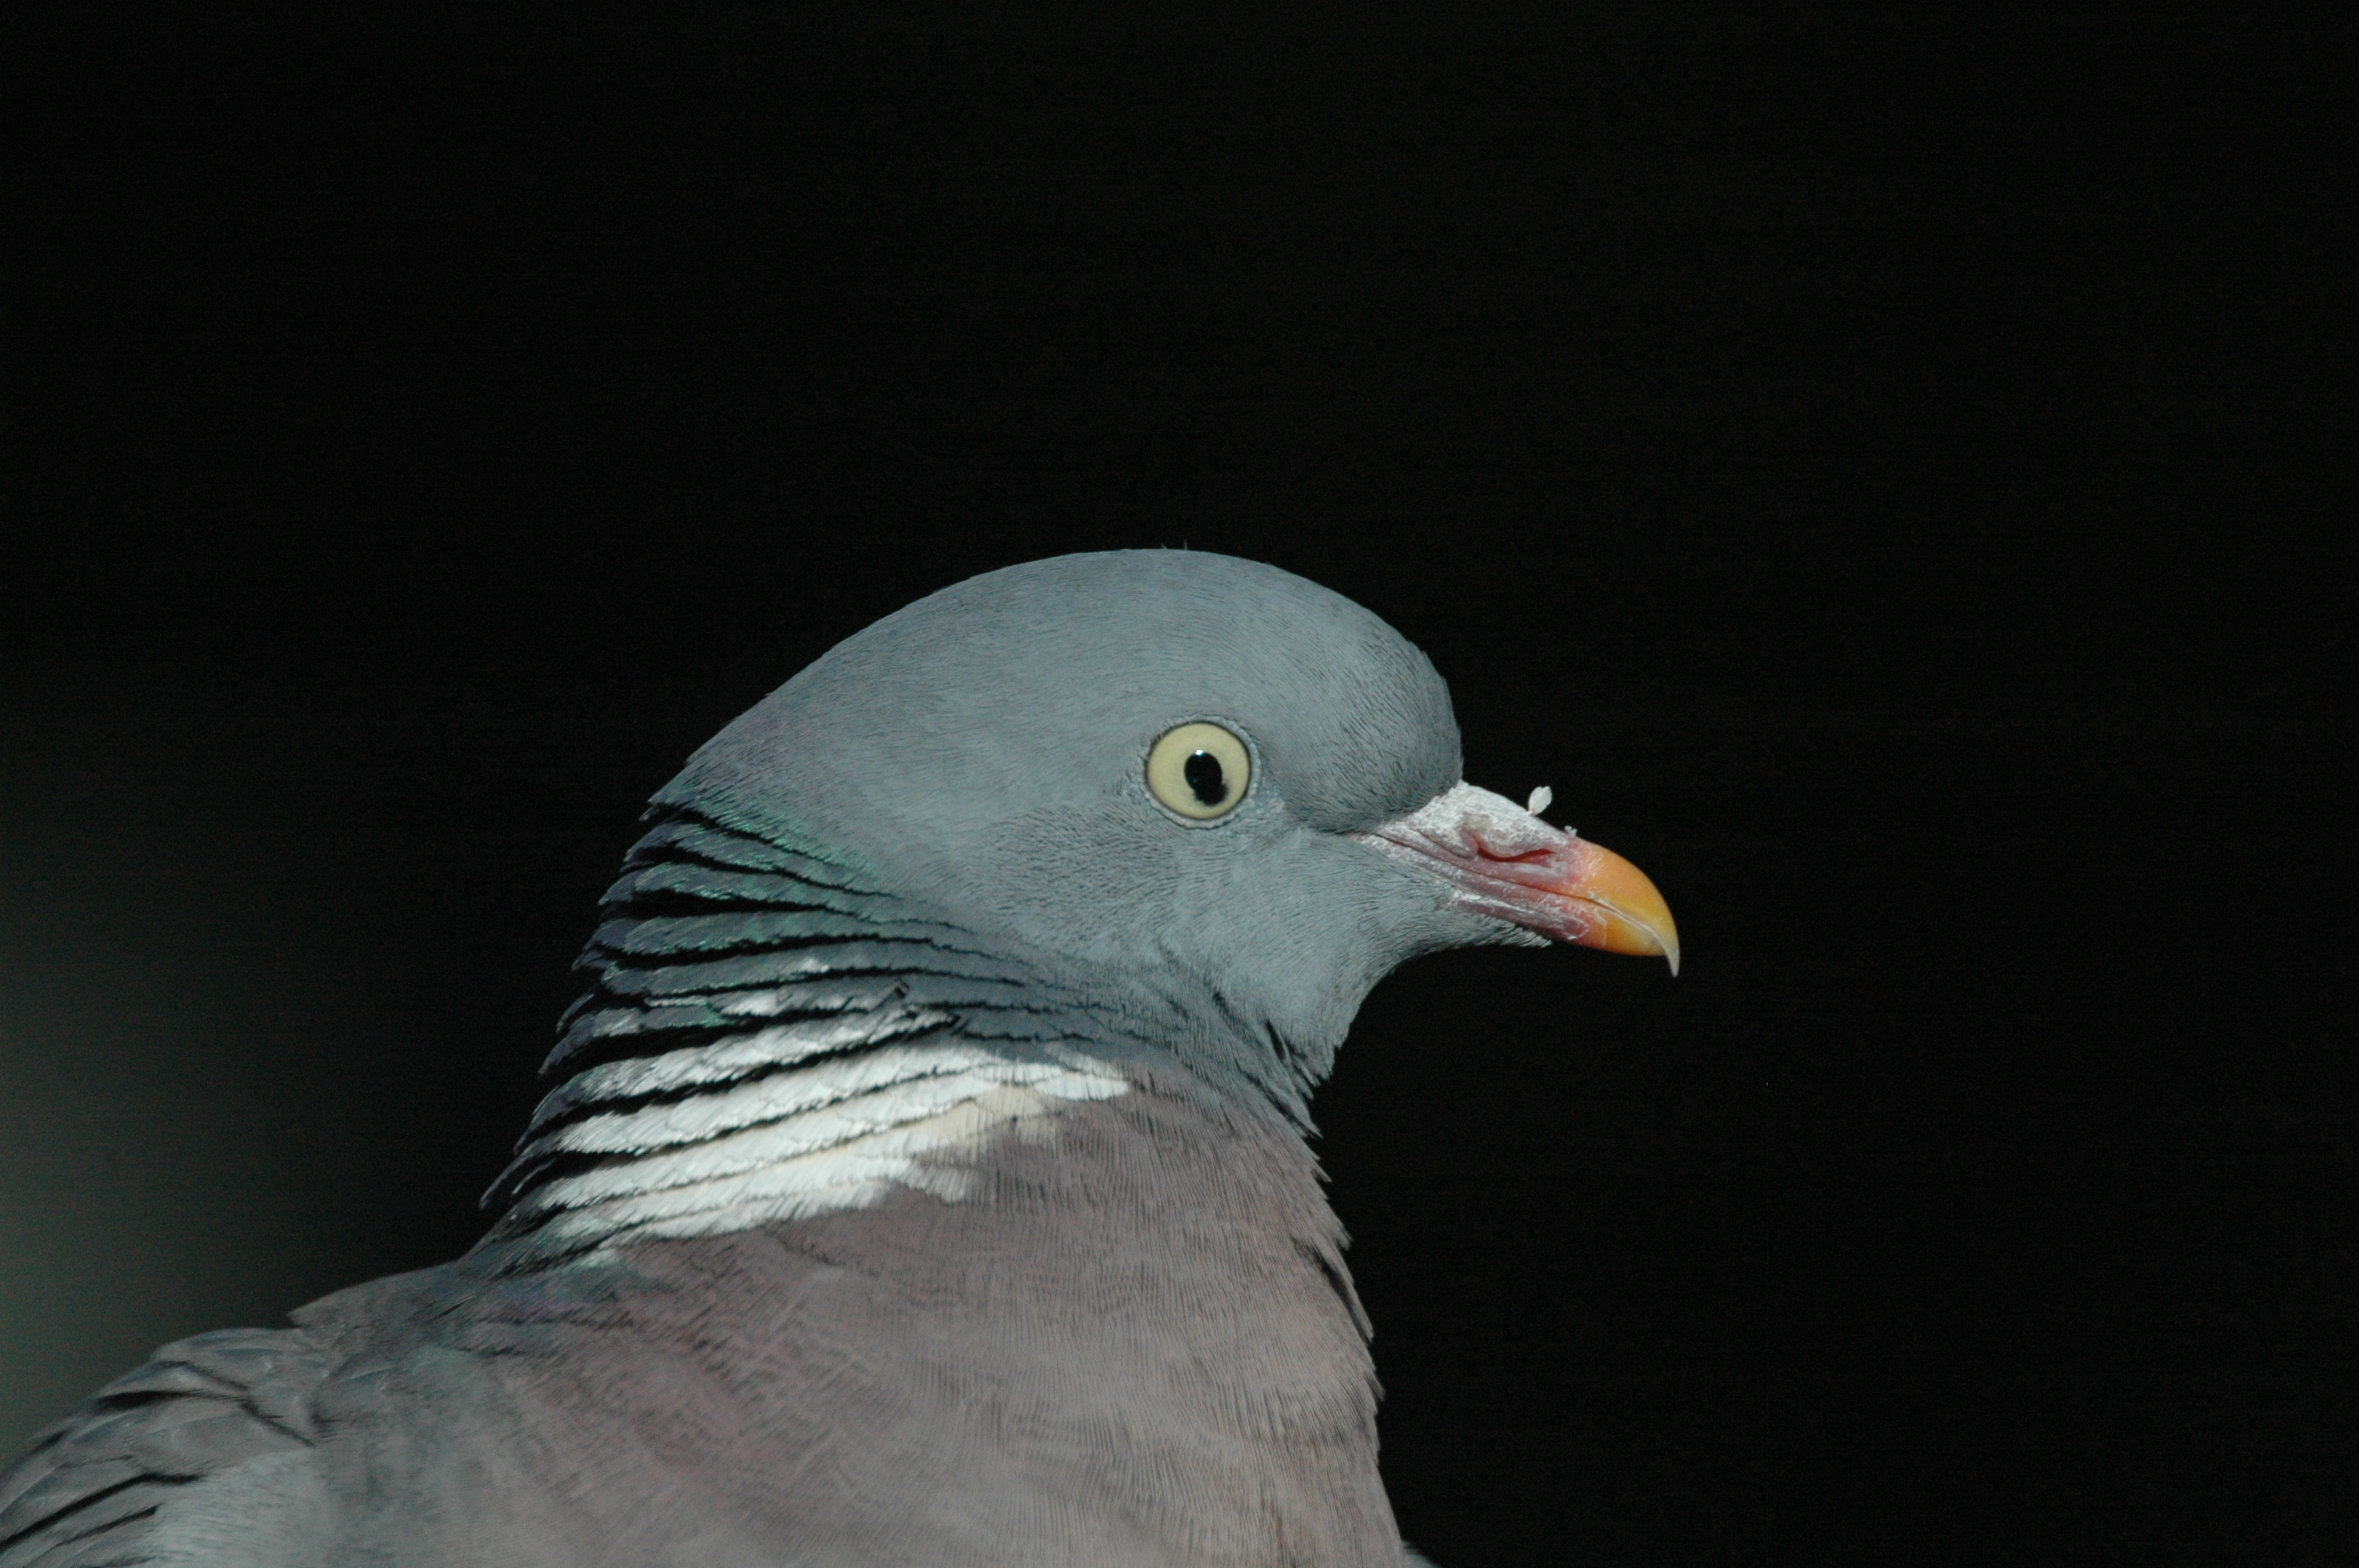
(777, 1124)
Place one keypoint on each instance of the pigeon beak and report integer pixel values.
(1503, 862)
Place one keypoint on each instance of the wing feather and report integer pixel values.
(88, 1493)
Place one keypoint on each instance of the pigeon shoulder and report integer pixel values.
(205, 1455)
(236, 1447)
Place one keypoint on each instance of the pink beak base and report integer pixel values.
(1503, 862)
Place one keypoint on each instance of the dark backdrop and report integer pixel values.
(1874, 465)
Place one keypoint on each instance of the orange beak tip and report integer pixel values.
(1635, 919)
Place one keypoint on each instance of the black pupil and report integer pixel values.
(1206, 780)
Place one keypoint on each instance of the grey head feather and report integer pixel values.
(980, 752)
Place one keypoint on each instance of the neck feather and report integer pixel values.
(766, 1037)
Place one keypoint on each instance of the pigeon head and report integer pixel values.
(1197, 794)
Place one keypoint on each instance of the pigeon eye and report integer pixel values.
(1199, 771)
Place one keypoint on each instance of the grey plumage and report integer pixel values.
(922, 1176)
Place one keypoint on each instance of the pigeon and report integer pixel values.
(922, 1177)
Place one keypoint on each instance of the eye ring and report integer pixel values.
(1199, 771)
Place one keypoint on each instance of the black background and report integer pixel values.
(1875, 464)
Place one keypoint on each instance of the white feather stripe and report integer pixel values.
(734, 1058)
(833, 995)
(786, 1191)
(766, 1211)
(738, 1148)
(596, 1229)
(876, 1088)
(753, 1004)
(845, 1175)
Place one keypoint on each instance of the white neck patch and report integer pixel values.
(735, 1152)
